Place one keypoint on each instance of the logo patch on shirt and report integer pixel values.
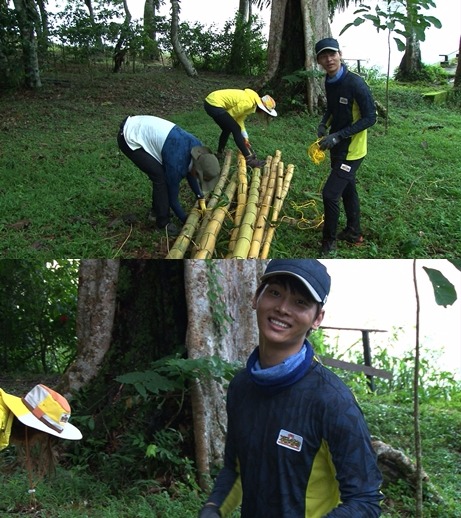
(343, 100)
(290, 440)
(345, 167)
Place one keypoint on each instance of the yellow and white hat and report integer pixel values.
(43, 409)
(267, 104)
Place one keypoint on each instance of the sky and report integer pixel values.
(380, 294)
(362, 42)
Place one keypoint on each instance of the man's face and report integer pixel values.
(284, 316)
(330, 60)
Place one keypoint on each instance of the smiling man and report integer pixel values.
(297, 444)
(343, 129)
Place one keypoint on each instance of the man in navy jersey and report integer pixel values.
(297, 445)
(343, 128)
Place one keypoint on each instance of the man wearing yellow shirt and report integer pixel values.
(229, 108)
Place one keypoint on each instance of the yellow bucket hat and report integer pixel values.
(267, 104)
(41, 408)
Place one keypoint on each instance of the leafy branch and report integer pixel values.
(172, 374)
(403, 17)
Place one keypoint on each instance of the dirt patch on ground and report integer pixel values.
(155, 89)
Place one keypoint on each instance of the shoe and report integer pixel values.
(327, 248)
(171, 229)
(350, 236)
(253, 162)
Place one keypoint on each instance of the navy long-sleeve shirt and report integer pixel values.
(350, 111)
(303, 452)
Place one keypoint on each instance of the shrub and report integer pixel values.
(433, 74)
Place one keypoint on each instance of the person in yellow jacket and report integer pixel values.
(229, 108)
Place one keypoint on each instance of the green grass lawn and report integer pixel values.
(76, 492)
(66, 191)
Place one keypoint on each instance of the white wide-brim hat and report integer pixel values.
(267, 104)
(43, 409)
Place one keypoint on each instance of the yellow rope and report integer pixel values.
(315, 153)
(303, 222)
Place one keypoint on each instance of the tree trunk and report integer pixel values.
(245, 9)
(95, 317)
(177, 47)
(89, 5)
(316, 27)
(43, 29)
(120, 49)
(411, 63)
(209, 335)
(150, 28)
(26, 16)
(458, 68)
(274, 45)
(294, 29)
(239, 51)
(5, 70)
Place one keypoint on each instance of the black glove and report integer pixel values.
(321, 130)
(209, 511)
(329, 141)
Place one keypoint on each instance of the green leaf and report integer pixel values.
(390, 25)
(435, 21)
(344, 29)
(151, 450)
(147, 381)
(376, 21)
(444, 291)
(365, 9)
(400, 44)
(456, 263)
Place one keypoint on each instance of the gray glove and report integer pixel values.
(209, 511)
(321, 130)
(329, 141)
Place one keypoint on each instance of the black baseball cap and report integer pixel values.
(326, 44)
(311, 272)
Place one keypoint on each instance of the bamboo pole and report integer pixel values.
(264, 180)
(186, 235)
(242, 191)
(278, 203)
(217, 198)
(182, 242)
(207, 243)
(247, 226)
(274, 186)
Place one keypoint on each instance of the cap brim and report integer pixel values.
(303, 281)
(198, 151)
(20, 410)
(272, 112)
(327, 48)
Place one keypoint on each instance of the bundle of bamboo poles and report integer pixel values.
(258, 202)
